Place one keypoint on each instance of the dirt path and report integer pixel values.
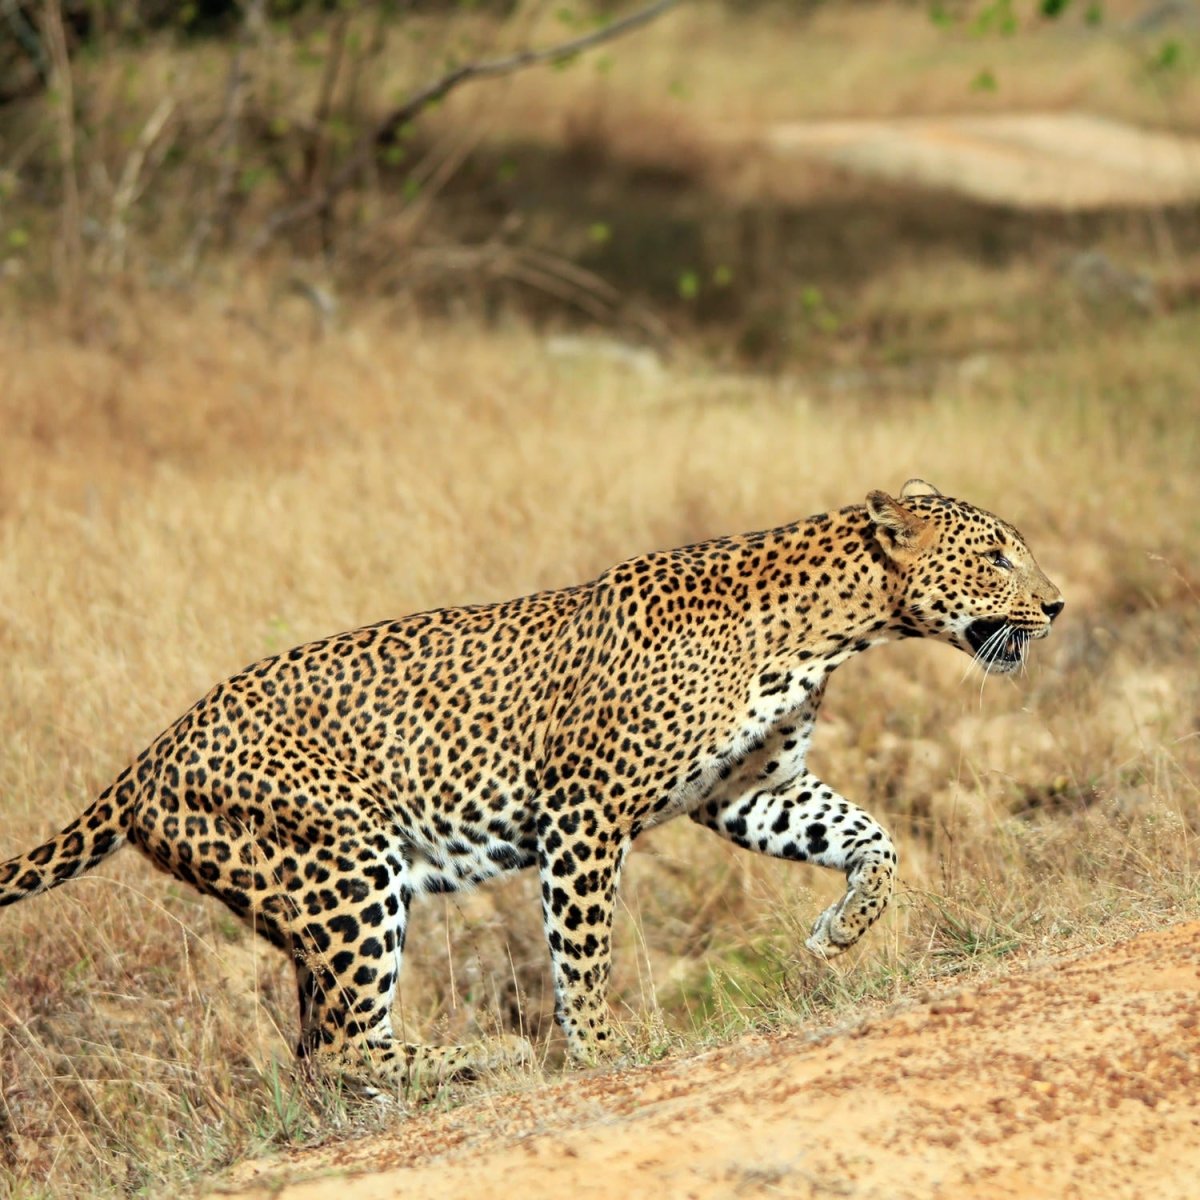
(1075, 1079)
(1066, 161)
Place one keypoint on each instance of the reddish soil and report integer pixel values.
(1076, 1078)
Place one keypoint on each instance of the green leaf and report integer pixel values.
(940, 15)
(1168, 57)
(985, 81)
(722, 277)
(599, 232)
(689, 285)
(996, 17)
(1054, 8)
(251, 177)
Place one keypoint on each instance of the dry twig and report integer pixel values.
(71, 246)
(227, 147)
(132, 181)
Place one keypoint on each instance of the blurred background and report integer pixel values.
(769, 184)
(313, 314)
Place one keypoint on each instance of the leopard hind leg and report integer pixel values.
(347, 969)
(324, 881)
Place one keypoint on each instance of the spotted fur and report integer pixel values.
(316, 793)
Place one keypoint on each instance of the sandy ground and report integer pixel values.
(1065, 161)
(1076, 1078)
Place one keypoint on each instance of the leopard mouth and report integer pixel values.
(998, 646)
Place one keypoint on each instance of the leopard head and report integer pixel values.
(966, 576)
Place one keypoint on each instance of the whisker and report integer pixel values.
(989, 652)
(995, 650)
(992, 648)
(973, 661)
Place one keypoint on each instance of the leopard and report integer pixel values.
(320, 791)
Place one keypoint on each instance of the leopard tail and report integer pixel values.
(91, 837)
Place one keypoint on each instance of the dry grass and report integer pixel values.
(183, 492)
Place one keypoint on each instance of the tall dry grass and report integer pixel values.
(185, 491)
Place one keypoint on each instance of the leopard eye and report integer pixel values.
(997, 559)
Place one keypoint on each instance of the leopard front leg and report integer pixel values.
(805, 821)
(579, 862)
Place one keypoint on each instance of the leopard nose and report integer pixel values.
(1052, 610)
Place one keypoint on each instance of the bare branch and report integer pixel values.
(387, 129)
(317, 147)
(71, 246)
(433, 92)
(228, 150)
(130, 185)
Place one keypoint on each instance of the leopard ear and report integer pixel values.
(918, 487)
(901, 532)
